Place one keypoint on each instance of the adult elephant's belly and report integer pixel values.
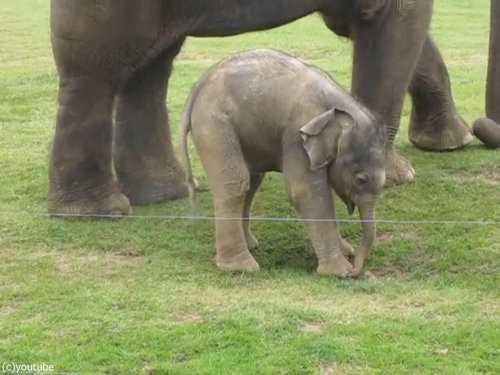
(105, 20)
(106, 38)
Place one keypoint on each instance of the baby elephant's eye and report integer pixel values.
(361, 178)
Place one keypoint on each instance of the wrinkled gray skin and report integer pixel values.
(263, 110)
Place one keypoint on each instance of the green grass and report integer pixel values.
(93, 297)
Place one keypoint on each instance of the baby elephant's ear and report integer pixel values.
(316, 143)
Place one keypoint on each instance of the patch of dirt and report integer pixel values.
(63, 265)
(129, 253)
(312, 327)
(187, 318)
(8, 340)
(107, 264)
(394, 271)
(333, 368)
(489, 176)
(114, 263)
(442, 351)
(386, 237)
(328, 369)
(8, 308)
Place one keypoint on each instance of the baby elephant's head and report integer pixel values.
(351, 147)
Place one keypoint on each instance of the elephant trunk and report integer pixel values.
(366, 215)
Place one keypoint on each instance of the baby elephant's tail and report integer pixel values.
(191, 182)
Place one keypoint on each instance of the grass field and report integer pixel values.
(114, 297)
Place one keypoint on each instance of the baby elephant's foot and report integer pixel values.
(338, 266)
(241, 262)
(346, 249)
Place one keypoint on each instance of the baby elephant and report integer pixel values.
(263, 110)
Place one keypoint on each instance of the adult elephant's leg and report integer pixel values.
(387, 45)
(80, 176)
(435, 123)
(144, 158)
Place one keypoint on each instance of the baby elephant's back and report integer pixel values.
(258, 70)
(262, 84)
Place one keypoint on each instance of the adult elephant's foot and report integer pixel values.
(153, 182)
(240, 262)
(487, 131)
(398, 170)
(103, 201)
(442, 132)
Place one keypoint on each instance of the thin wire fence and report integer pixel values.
(253, 218)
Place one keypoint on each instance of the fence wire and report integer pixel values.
(251, 218)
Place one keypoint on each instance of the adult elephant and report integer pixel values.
(114, 58)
